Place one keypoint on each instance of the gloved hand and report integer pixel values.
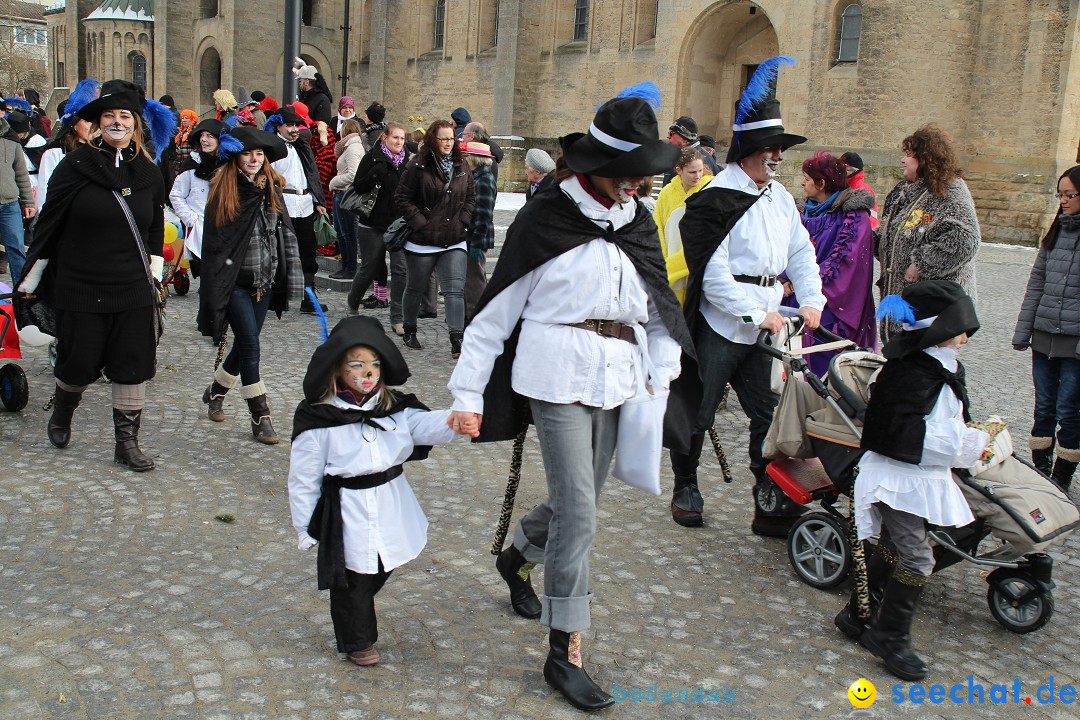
(305, 541)
(33, 277)
(476, 255)
(157, 266)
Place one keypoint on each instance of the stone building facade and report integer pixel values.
(1003, 76)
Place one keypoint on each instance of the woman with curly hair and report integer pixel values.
(928, 229)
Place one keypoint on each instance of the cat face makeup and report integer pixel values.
(360, 370)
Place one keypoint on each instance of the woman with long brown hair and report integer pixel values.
(250, 265)
(928, 230)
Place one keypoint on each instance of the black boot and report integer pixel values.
(1064, 467)
(126, 423)
(1042, 454)
(563, 671)
(262, 428)
(455, 344)
(214, 395)
(306, 306)
(409, 338)
(514, 569)
(879, 567)
(889, 635)
(687, 505)
(59, 428)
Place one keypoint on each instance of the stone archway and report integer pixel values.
(725, 44)
(209, 76)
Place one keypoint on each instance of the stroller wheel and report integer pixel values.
(819, 550)
(182, 284)
(1018, 602)
(14, 392)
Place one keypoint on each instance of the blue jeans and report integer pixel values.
(450, 264)
(246, 316)
(1057, 399)
(577, 443)
(345, 225)
(11, 234)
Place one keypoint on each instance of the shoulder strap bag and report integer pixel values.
(157, 292)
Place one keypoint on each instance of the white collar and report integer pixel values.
(618, 214)
(947, 356)
(369, 404)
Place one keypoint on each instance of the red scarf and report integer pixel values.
(602, 199)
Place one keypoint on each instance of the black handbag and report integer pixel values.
(397, 234)
(157, 291)
(359, 204)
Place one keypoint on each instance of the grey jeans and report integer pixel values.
(450, 266)
(907, 533)
(577, 443)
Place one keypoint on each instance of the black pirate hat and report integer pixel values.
(623, 141)
(243, 138)
(757, 117)
(348, 333)
(929, 312)
(210, 125)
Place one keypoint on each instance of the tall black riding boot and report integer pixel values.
(126, 424)
(515, 570)
(1065, 467)
(59, 428)
(889, 635)
(306, 306)
(879, 567)
(563, 671)
(687, 505)
(1042, 453)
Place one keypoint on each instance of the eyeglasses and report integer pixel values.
(1066, 196)
(449, 139)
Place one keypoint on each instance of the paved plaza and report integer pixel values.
(123, 595)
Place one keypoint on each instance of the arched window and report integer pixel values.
(307, 13)
(208, 8)
(581, 20)
(850, 30)
(138, 70)
(440, 23)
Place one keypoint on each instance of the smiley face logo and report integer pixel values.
(862, 693)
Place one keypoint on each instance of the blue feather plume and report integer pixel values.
(17, 103)
(228, 145)
(895, 309)
(233, 120)
(86, 91)
(272, 123)
(647, 91)
(318, 311)
(761, 86)
(162, 124)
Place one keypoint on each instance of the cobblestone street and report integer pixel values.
(124, 597)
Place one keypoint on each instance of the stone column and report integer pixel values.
(377, 69)
(506, 66)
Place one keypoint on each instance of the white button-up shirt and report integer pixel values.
(293, 171)
(561, 364)
(768, 239)
(381, 522)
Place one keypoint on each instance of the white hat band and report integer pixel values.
(757, 125)
(919, 324)
(612, 141)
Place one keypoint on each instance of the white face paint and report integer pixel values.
(360, 370)
(626, 187)
(771, 166)
(251, 161)
(208, 144)
(117, 127)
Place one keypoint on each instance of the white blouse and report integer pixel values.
(561, 364)
(188, 197)
(381, 522)
(927, 489)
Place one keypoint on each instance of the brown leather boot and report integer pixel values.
(214, 395)
(262, 428)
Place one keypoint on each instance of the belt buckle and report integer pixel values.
(600, 327)
(766, 281)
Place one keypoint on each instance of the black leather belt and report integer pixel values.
(294, 191)
(608, 328)
(759, 280)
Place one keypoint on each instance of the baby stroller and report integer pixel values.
(1012, 501)
(176, 265)
(14, 390)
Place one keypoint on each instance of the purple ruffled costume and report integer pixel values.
(844, 243)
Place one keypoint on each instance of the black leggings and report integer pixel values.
(353, 610)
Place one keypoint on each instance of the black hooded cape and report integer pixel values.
(223, 252)
(326, 524)
(546, 227)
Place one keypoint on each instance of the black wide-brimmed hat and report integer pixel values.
(243, 138)
(210, 125)
(758, 124)
(115, 95)
(623, 141)
(284, 116)
(929, 312)
(348, 333)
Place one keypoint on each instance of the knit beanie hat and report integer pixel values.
(686, 128)
(375, 112)
(345, 102)
(852, 159)
(539, 161)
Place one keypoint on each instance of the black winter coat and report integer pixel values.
(375, 168)
(439, 215)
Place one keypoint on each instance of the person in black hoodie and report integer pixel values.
(381, 166)
(107, 193)
(315, 94)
